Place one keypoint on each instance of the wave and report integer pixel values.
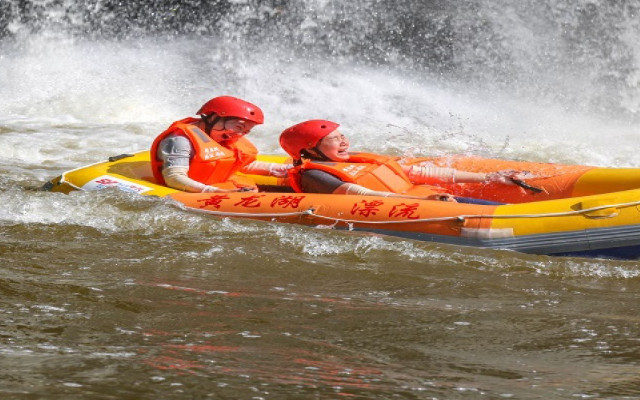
(111, 216)
(582, 53)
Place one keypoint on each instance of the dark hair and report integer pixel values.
(305, 154)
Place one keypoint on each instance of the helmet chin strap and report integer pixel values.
(210, 122)
(319, 154)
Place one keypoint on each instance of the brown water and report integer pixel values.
(109, 296)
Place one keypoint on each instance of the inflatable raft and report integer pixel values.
(580, 210)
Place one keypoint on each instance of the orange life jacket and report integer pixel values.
(373, 171)
(212, 163)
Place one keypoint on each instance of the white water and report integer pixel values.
(108, 287)
(67, 103)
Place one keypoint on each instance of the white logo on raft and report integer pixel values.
(354, 169)
(108, 181)
(212, 152)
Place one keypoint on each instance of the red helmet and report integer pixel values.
(305, 135)
(227, 106)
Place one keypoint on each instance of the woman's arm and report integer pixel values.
(352, 188)
(315, 181)
(420, 174)
(267, 168)
(175, 151)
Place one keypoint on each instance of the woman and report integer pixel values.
(323, 164)
(203, 155)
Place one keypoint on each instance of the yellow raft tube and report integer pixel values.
(581, 210)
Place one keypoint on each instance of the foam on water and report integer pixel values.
(68, 101)
(108, 294)
(113, 212)
(99, 98)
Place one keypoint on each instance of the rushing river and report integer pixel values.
(108, 295)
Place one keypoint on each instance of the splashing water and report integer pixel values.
(115, 295)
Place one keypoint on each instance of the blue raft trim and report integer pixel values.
(621, 242)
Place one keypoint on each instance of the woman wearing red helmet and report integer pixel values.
(203, 155)
(323, 164)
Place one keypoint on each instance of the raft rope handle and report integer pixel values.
(253, 215)
(461, 218)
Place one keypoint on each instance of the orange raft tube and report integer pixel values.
(581, 210)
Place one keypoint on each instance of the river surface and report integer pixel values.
(109, 295)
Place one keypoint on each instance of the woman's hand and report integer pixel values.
(213, 189)
(442, 197)
(507, 177)
(247, 189)
(514, 178)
